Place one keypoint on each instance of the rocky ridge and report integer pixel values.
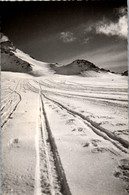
(9, 61)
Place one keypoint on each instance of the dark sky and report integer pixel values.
(64, 31)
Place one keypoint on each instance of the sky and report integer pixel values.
(60, 32)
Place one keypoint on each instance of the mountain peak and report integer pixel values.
(81, 61)
(3, 38)
(85, 63)
(79, 67)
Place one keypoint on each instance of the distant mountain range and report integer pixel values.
(15, 60)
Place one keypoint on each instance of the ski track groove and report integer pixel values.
(48, 159)
(94, 126)
(113, 102)
(11, 104)
(37, 188)
(74, 86)
(87, 96)
(49, 168)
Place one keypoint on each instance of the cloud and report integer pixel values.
(86, 40)
(120, 28)
(67, 37)
(110, 27)
(121, 11)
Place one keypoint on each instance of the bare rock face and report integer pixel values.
(10, 62)
(125, 73)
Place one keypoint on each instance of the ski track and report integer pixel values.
(86, 95)
(119, 142)
(37, 189)
(86, 88)
(118, 103)
(64, 86)
(49, 174)
(10, 103)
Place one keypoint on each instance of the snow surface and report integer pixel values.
(76, 108)
(64, 135)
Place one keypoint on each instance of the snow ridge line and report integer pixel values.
(98, 130)
(61, 175)
(8, 115)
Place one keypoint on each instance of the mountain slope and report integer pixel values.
(77, 67)
(14, 60)
(38, 68)
(9, 62)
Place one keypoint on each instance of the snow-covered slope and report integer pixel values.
(80, 67)
(38, 68)
(14, 60)
(9, 62)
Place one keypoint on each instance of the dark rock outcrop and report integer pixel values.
(9, 61)
(125, 73)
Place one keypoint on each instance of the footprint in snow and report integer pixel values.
(86, 144)
(80, 129)
(95, 142)
(14, 143)
(122, 172)
(70, 121)
(96, 150)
